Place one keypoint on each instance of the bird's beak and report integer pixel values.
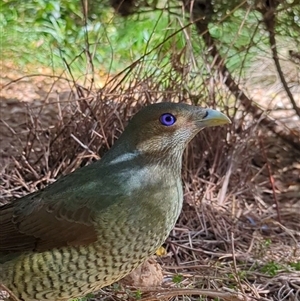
(213, 118)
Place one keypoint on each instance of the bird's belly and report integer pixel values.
(71, 272)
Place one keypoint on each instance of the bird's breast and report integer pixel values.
(147, 211)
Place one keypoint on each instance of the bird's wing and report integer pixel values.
(61, 214)
(41, 230)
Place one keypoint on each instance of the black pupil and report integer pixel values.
(168, 118)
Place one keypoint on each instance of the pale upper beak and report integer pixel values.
(213, 118)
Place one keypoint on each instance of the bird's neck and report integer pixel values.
(169, 159)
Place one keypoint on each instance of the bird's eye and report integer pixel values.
(167, 119)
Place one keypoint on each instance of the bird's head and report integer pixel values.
(162, 130)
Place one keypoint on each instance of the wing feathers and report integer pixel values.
(42, 229)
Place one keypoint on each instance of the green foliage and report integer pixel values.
(177, 278)
(239, 43)
(295, 265)
(267, 243)
(54, 32)
(138, 294)
(272, 268)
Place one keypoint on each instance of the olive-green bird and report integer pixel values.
(95, 225)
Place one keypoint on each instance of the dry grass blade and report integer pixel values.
(167, 294)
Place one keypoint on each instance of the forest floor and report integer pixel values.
(238, 237)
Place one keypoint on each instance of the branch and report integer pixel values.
(283, 132)
(269, 20)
